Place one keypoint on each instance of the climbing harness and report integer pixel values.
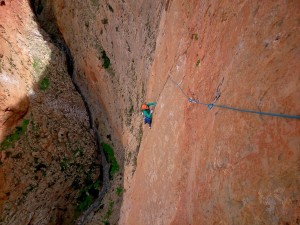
(211, 105)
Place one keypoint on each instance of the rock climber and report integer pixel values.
(147, 113)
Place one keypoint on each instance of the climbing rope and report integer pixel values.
(211, 105)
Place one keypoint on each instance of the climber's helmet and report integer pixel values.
(145, 107)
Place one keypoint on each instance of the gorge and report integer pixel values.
(73, 76)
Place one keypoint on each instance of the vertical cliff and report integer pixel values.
(196, 165)
(112, 45)
(200, 166)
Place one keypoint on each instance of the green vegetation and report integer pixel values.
(106, 60)
(109, 152)
(64, 164)
(44, 84)
(195, 37)
(10, 139)
(85, 200)
(78, 152)
(108, 213)
(36, 65)
(87, 195)
(119, 190)
(198, 62)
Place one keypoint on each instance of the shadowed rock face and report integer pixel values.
(195, 166)
(43, 165)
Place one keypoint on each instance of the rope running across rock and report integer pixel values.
(211, 105)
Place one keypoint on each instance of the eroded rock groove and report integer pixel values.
(58, 40)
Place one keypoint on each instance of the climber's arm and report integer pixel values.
(151, 103)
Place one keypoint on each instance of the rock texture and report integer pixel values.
(195, 166)
(50, 156)
(14, 79)
(123, 32)
(221, 167)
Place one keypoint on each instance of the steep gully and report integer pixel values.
(104, 166)
(104, 174)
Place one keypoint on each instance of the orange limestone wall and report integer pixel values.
(195, 166)
(199, 166)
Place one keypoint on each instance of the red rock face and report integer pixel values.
(14, 76)
(200, 166)
(195, 166)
